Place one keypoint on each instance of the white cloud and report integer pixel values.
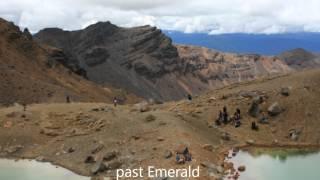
(212, 16)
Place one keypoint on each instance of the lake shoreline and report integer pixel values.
(264, 149)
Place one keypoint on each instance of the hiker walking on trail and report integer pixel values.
(189, 97)
(254, 126)
(68, 99)
(115, 101)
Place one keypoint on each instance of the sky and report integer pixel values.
(189, 16)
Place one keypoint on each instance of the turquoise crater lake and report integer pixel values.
(33, 170)
(278, 164)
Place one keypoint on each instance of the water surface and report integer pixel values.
(33, 170)
(279, 165)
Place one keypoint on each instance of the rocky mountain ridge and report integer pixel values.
(144, 61)
(300, 58)
(31, 73)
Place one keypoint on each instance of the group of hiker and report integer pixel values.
(235, 119)
(225, 118)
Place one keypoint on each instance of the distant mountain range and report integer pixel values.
(250, 43)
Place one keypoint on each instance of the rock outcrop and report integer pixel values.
(144, 61)
(141, 60)
(300, 58)
(31, 73)
(275, 109)
(216, 65)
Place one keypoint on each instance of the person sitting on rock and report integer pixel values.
(188, 157)
(186, 154)
(237, 121)
(185, 151)
(237, 115)
(179, 159)
(254, 126)
(237, 118)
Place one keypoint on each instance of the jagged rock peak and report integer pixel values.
(101, 25)
(27, 33)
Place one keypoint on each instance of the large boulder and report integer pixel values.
(142, 106)
(294, 134)
(90, 159)
(113, 165)
(254, 110)
(241, 168)
(40, 159)
(167, 154)
(250, 142)
(285, 91)
(274, 109)
(98, 167)
(110, 155)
